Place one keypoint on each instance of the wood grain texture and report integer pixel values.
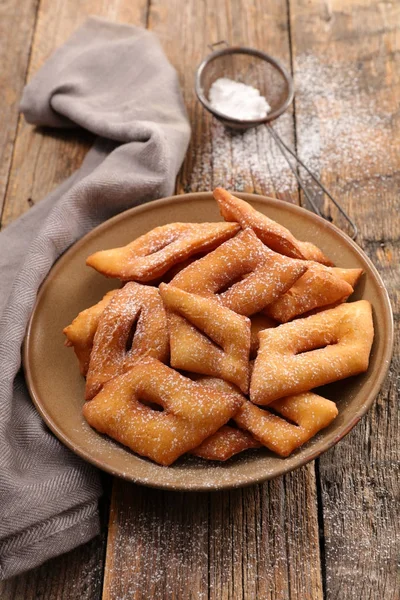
(17, 22)
(260, 542)
(354, 44)
(231, 545)
(61, 152)
(155, 540)
(246, 162)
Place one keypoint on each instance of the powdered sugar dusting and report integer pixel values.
(244, 161)
(238, 100)
(339, 129)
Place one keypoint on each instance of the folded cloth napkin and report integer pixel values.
(115, 81)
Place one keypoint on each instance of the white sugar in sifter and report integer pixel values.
(265, 73)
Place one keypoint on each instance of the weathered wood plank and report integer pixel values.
(260, 542)
(43, 158)
(17, 22)
(246, 162)
(347, 65)
(264, 541)
(156, 540)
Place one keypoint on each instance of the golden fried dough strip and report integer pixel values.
(306, 353)
(301, 417)
(80, 333)
(152, 254)
(242, 274)
(307, 414)
(351, 276)
(175, 269)
(319, 286)
(258, 322)
(113, 349)
(206, 337)
(272, 234)
(225, 443)
(190, 413)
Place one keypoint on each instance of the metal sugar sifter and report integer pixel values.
(261, 71)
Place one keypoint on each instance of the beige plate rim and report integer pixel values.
(192, 486)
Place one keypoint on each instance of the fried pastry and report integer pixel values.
(152, 254)
(258, 322)
(299, 418)
(80, 333)
(242, 274)
(133, 325)
(303, 416)
(226, 293)
(225, 443)
(306, 353)
(320, 286)
(272, 234)
(206, 337)
(351, 276)
(123, 410)
(177, 268)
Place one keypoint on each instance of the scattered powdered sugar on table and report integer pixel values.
(243, 161)
(340, 129)
(339, 124)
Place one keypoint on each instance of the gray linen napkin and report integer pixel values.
(115, 81)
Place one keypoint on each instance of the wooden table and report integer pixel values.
(327, 530)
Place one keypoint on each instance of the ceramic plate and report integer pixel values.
(57, 388)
